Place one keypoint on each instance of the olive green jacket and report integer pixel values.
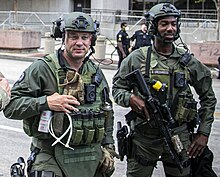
(199, 78)
(29, 93)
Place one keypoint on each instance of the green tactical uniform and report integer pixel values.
(4, 99)
(29, 100)
(147, 144)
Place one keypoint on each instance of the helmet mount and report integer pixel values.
(80, 22)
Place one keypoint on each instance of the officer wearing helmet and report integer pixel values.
(63, 100)
(178, 70)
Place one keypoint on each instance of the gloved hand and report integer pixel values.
(107, 162)
(112, 152)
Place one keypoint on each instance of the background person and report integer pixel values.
(123, 43)
(141, 37)
(69, 93)
(178, 70)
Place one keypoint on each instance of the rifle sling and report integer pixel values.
(147, 66)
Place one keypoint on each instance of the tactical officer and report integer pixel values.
(63, 100)
(141, 37)
(123, 43)
(177, 70)
(5, 91)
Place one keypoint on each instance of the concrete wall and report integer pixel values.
(110, 8)
(60, 5)
(6, 5)
(19, 39)
(113, 4)
(38, 5)
(207, 52)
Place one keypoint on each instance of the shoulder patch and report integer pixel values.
(21, 78)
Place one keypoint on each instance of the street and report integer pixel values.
(15, 143)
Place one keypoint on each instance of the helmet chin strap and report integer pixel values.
(154, 29)
(92, 50)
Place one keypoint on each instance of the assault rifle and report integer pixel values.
(122, 133)
(164, 120)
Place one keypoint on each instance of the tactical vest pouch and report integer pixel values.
(99, 126)
(88, 127)
(183, 110)
(30, 127)
(57, 122)
(108, 114)
(73, 85)
(77, 129)
(186, 108)
(27, 126)
(193, 111)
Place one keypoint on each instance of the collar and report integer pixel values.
(177, 53)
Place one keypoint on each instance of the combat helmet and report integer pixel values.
(159, 11)
(162, 10)
(75, 21)
(78, 21)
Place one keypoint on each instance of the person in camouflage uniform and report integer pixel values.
(63, 100)
(5, 92)
(177, 70)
